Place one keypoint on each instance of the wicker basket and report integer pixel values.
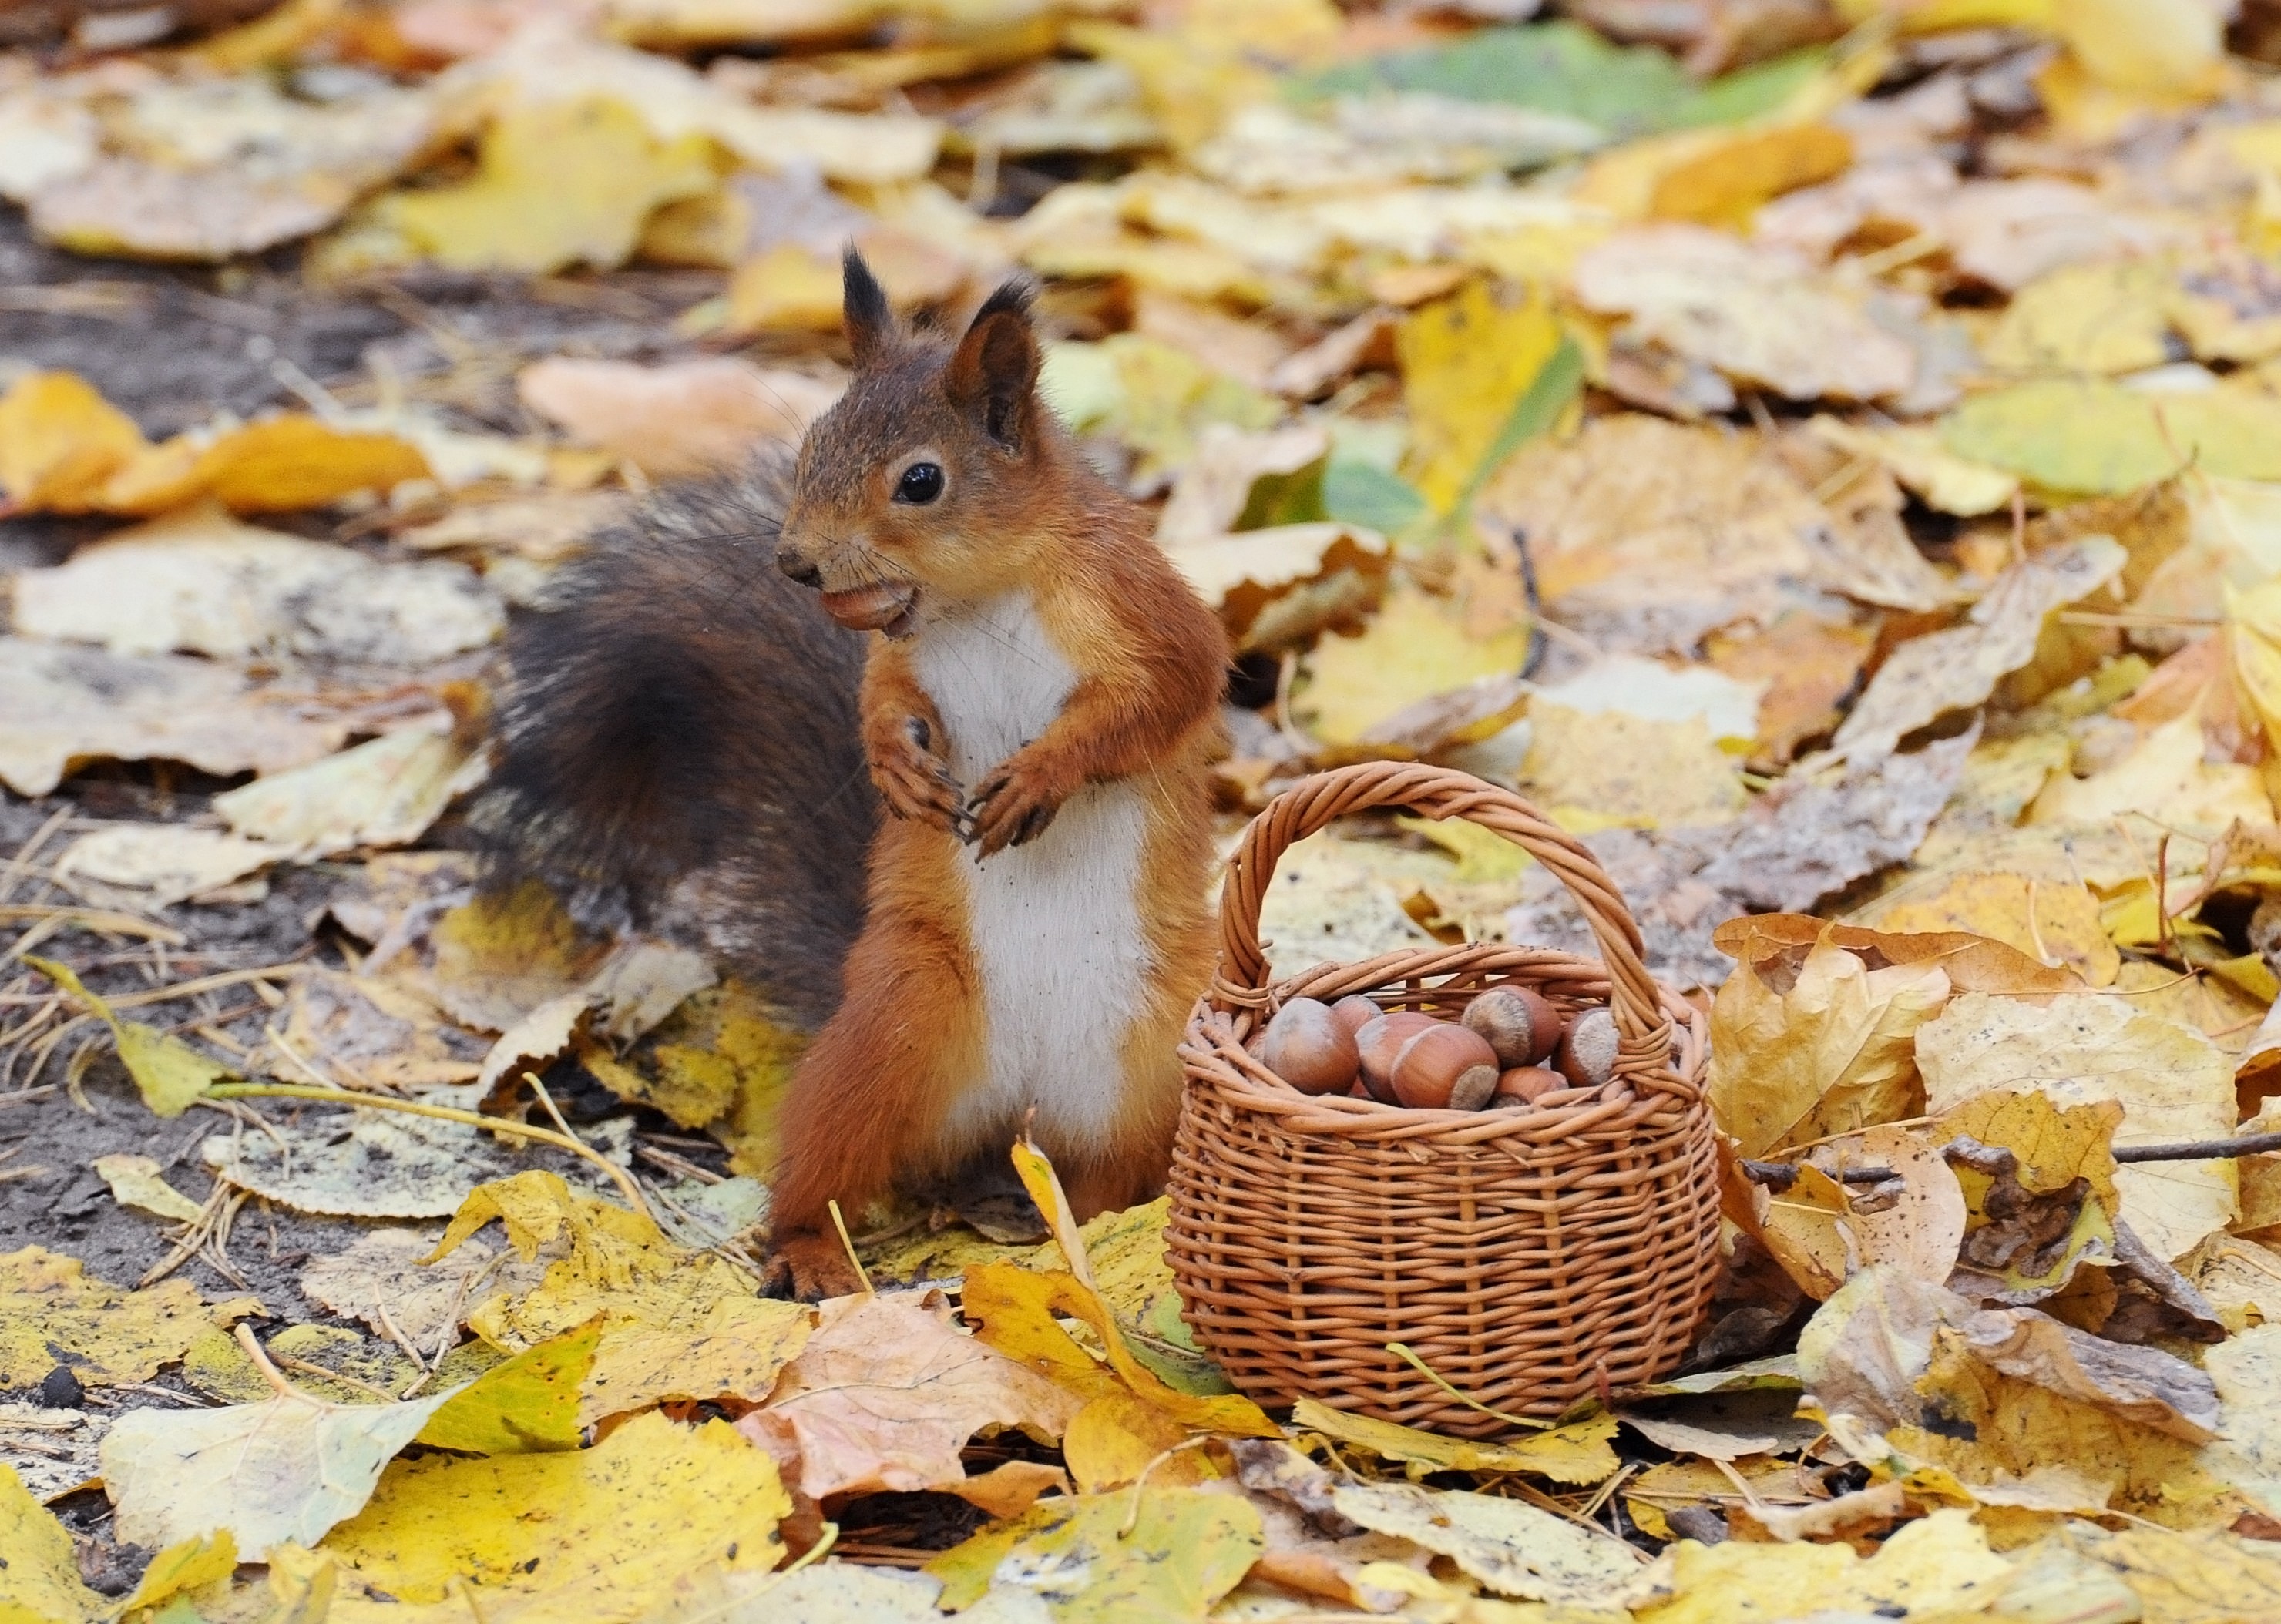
(1528, 1258)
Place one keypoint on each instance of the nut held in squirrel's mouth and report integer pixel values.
(871, 609)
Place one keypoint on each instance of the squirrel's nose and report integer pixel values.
(799, 567)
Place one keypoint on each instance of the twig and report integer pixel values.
(260, 1355)
(1778, 1176)
(630, 1184)
(307, 1368)
(1133, 1516)
(2199, 1149)
(853, 1261)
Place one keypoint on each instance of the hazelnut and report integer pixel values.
(1379, 1040)
(1308, 1047)
(1445, 1067)
(1523, 1026)
(1587, 1055)
(1356, 1011)
(1525, 1085)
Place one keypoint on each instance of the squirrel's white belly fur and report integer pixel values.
(1055, 923)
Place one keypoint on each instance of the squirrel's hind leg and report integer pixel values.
(867, 1104)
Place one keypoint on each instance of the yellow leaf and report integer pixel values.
(170, 1072)
(2165, 774)
(1510, 1546)
(278, 464)
(1724, 187)
(1013, 1310)
(517, 214)
(681, 1324)
(134, 1182)
(503, 954)
(59, 441)
(190, 1565)
(2206, 1578)
(788, 288)
(1914, 454)
(2112, 316)
(1117, 1438)
(2156, 47)
(724, 1057)
(1940, 1561)
(607, 1526)
(2054, 924)
(1575, 1453)
(2082, 1048)
(530, 1401)
(1159, 1556)
(1414, 647)
(39, 1580)
(1630, 769)
(1467, 361)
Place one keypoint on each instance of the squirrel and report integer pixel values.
(1037, 706)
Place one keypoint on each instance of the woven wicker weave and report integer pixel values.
(1528, 1258)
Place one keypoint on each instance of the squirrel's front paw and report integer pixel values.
(810, 1266)
(1015, 802)
(915, 782)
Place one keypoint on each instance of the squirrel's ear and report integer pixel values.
(870, 319)
(993, 372)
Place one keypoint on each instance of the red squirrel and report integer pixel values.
(1036, 708)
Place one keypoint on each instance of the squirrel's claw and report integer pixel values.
(1014, 805)
(917, 784)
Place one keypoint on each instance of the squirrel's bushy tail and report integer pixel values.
(679, 743)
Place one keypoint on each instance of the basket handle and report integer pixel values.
(1643, 1028)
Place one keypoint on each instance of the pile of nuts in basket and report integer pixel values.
(1512, 1047)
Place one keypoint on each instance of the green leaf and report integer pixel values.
(171, 1073)
(1362, 493)
(1562, 67)
(1534, 414)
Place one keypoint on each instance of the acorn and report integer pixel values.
(1310, 1047)
(1587, 1055)
(1525, 1085)
(1445, 1067)
(1523, 1026)
(1355, 1012)
(1379, 1040)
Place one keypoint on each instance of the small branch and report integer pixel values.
(2199, 1149)
(1778, 1176)
(260, 1355)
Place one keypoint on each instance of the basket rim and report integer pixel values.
(1647, 1013)
(1212, 1050)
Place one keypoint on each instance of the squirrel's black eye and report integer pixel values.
(922, 483)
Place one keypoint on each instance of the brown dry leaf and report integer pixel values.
(2057, 925)
(886, 1393)
(502, 955)
(369, 1032)
(1927, 677)
(1757, 315)
(2029, 1227)
(380, 1280)
(678, 419)
(1630, 769)
(1819, 1047)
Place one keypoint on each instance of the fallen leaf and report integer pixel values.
(652, 1500)
(1155, 1554)
(169, 1073)
(1414, 647)
(41, 1583)
(1467, 362)
(381, 1269)
(200, 581)
(1574, 1453)
(367, 1031)
(384, 792)
(678, 419)
(1627, 768)
(1510, 1546)
(2054, 924)
(153, 866)
(2028, 1228)
(374, 1165)
(885, 1392)
(2200, 1578)
(138, 1182)
(1914, 456)
(79, 704)
(268, 1472)
(1275, 588)
(2085, 1047)
(1937, 1566)
(680, 1324)
(1929, 676)
(501, 955)
(53, 1453)
(60, 443)
(516, 216)
(1755, 314)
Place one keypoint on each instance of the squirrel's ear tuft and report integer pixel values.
(870, 319)
(993, 372)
